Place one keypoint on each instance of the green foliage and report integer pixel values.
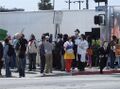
(3, 34)
(45, 5)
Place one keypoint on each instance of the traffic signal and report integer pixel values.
(98, 19)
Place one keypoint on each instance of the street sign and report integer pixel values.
(100, 8)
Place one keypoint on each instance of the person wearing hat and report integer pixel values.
(77, 31)
(76, 41)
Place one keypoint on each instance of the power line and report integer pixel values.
(69, 3)
(79, 2)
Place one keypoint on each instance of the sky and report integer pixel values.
(32, 5)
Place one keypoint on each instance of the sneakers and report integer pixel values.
(42, 74)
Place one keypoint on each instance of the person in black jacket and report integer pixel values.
(42, 55)
(1, 56)
(58, 52)
(103, 55)
(22, 44)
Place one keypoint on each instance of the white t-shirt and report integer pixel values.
(68, 46)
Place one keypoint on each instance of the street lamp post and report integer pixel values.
(87, 4)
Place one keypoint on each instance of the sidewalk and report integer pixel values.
(88, 71)
(95, 70)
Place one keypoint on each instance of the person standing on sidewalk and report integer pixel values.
(22, 44)
(15, 44)
(42, 55)
(112, 47)
(82, 51)
(103, 55)
(76, 40)
(69, 54)
(32, 52)
(7, 57)
(89, 57)
(48, 55)
(1, 56)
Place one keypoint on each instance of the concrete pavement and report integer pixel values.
(88, 71)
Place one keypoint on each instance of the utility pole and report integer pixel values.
(69, 2)
(79, 2)
(53, 4)
(87, 4)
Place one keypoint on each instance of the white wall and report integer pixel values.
(83, 20)
(42, 22)
(32, 22)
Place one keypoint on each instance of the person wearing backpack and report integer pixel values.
(7, 56)
(32, 52)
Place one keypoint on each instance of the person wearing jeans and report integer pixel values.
(22, 56)
(7, 58)
(21, 67)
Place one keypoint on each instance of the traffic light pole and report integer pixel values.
(87, 4)
(106, 21)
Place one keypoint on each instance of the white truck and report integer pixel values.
(39, 22)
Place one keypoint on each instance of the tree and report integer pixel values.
(2, 9)
(45, 5)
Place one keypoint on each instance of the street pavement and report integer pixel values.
(63, 80)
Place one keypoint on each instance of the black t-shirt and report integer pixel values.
(22, 47)
(1, 50)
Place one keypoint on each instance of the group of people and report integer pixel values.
(66, 53)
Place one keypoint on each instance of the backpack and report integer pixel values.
(10, 50)
(32, 47)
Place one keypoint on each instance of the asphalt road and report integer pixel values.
(63, 82)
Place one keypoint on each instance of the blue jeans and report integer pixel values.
(13, 61)
(112, 59)
(7, 66)
(118, 60)
(21, 67)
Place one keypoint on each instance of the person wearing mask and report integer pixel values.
(82, 50)
(69, 54)
(103, 55)
(1, 56)
(48, 55)
(32, 52)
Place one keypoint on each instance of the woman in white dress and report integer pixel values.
(82, 50)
